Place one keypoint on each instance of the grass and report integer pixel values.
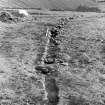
(81, 47)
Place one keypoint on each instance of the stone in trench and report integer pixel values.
(49, 60)
(44, 69)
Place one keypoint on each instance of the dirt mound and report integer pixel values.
(11, 17)
(6, 17)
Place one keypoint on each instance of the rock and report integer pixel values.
(58, 26)
(43, 70)
(49, 60)
(54, 42)
(71, 18)
(54, 32)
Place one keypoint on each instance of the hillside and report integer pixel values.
(45, 4)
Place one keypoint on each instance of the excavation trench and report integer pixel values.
(46, 69)
(52, 91)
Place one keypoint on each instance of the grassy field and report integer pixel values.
(81, 76)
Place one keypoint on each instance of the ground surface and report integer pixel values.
(79, 78)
